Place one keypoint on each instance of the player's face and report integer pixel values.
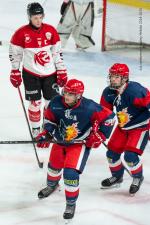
(36, 20)
(70, 98)
(115, 81)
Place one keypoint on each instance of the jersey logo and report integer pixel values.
(56, 87)
(39, 41)
(123, 117)
(42, 58)
(69, 116)
(48, 35)
(69, 132)
(27, 38)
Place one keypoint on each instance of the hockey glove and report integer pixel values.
(63, 8)
(95, 139)
(15, 78)
(44, 139)
(61, 77)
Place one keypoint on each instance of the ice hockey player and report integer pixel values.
(70, 118)
(77, 20)
(38, 45)
(132, 103)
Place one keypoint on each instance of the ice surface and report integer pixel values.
(21, 179)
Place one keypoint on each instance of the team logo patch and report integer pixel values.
(56, 87)
(69, 116)
(39, 41)
(68, 132)
(42, 58)
(123, 117)
(71, 132)
(48, 35)
(27, 38)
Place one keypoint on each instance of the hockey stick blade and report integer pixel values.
(41, 164)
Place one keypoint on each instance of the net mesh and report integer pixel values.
(126, 24)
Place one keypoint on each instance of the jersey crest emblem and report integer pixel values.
(27, 38)
(69, 132)
(69, 116)
(123, 117)
(42, 58)
(48, 35)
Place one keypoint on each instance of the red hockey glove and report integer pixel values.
(95, 139)
(61, 77)
(44, 139)
(15, 78)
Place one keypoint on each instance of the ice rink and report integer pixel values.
(20, 177)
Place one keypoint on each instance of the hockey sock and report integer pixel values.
(115, 164)
(34, 113)
(134, 163)
(71, 181)
(53, 175)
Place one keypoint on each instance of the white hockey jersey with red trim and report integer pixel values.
(39, 50)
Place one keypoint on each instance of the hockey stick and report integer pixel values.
(40, 164)
(35, 142)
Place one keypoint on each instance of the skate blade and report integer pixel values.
(68, 221)
(111, 187)
(131, 195)
(58, 188)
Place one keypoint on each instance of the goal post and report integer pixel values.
(125, 23)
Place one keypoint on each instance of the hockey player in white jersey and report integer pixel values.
(77, 20)
(38, 46)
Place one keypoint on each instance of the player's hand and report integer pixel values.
(63, 8)
(15, 78)
(95, 139)
(44, 139)
(61, 77)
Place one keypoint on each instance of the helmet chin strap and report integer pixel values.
(78, 96)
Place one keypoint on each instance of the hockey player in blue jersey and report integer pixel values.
(70, 118)
(132, 103)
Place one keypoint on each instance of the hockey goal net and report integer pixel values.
(125, 23)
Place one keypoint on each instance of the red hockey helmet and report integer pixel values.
(119, 69)
(74, 86)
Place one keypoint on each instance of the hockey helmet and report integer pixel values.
(119, 69)
(75, 87)
(34, 9)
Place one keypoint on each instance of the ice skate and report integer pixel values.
(111, 182)
(69, 213)
(135, 186)
(44, 193)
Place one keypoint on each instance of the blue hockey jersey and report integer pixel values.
(69, 124)
(132, 106)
